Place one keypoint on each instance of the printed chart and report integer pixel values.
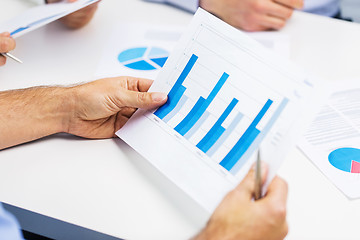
(346, 159)
(143, 58)
(141, 52)
(332, 140)
(227, 95)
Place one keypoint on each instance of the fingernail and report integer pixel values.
(158, 97)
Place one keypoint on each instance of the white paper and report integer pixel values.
(41, 15)
(256, 78)
(127, 36)
(332, 141)
(136, 37)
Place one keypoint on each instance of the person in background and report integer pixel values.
(258, 15)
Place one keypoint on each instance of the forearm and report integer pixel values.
(29, 114)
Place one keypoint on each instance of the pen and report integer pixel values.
(258, 185)
(12, 57)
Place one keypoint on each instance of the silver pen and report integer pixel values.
(258, 184)
(12, 57)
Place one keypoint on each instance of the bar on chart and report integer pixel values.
(245, 140)
(177, 90)
(217, 129)
(225, 135)
(200, 107)
(256, 144)
(176, 110)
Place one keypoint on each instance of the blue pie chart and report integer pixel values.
(143, 58)
(346, 159)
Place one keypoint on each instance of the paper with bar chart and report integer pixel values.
(332, 141)
(227, 95)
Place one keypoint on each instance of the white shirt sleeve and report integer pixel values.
(189, 5)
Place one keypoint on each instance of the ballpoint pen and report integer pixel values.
(12, 57)
(258, 185)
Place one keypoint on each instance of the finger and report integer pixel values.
(2, 60)
(6, 44)
(5, 34)
(298, 4)
(271, 22)
(247, 185)
(139, 84)
(81, 17)
(279, 10)
(143, 100)
(277, 191)
(127, 111)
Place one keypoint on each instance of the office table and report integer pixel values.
(105, 186)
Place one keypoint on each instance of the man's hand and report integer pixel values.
(239, 217)
(253, 15)
(7, 43)
(79, 18)
(92, 110)
(102, 107)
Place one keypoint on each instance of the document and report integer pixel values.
(227, 96)
(141, 49)
(39, 16)
(138, 50)
(332, 141)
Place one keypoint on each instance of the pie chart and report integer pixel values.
(346, 159)
(143, 58)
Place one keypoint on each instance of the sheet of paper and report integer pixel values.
(39, 16)
(138, 50)
(332, 141)
(141, 49)
(227, 96)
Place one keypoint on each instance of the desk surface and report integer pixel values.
(106, 186)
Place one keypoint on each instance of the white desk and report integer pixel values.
(105, 186)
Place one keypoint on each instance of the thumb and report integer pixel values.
(6, 44)
(143, 100)
(247, 185)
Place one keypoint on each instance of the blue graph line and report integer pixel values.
(176, 110)
(197, 125)
(200, 107)
(225, 135)
(245, 140)
(20, 29)
(217, 130)
(177, 90)
(255, 145)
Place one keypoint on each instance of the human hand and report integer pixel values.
(79, 18)
(7, 43)
(253, 15)
(239, 217)
(102, 107)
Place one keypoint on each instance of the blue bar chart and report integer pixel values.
(215, 137)
(177, 90)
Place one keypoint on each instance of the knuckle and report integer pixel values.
(279, 214)
(257, 6)
(141, 97)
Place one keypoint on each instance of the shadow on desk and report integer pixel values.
(39, 227)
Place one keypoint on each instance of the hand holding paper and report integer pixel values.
(6, 45)
(79, 18)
